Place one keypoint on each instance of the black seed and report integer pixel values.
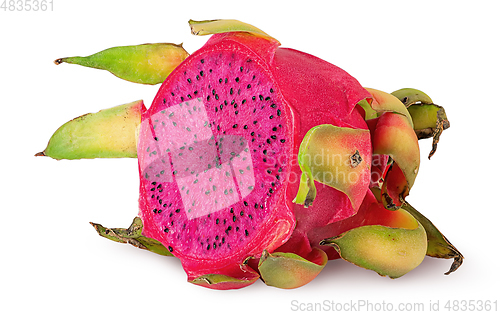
(201, 73)
(202, 60)
(225, 81)
(220, 80)
(241, 69)
(182, 99)
(208, 247)
(170, 249)
(153, 183)
(235, 126)
(189, 80)
(268, 98)
(261, 97)
(231, 91)
(217, 96)
(177, 210)
(250, 216)
(155, 210)
(273, 137)
(277, 177)
(208, 98)
(159, 211)
(249, 86)
(197, 77)
(269, 171)
(229, 228)
(172, 93)
(218, 128)
(195, 92)
(237, 228)
(221, 106)
(236, 112)
(234, 218)
(246, 232)
(279, 112)
(253, 98)
(273, 105)
(217, 221)
(253, 78)
(164, 101)
(153, 189)
(215, 245)
(271, 117)
(245, 127)
(265, 152)
(241, 213)
(153, 196)
(264, 159)
(271, 90)
(245, 203)
(268, 141)
(243, 102)
(282, 140)
(166, 230)
(255, 122)
(237, 79)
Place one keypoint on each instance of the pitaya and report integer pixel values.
(258, 161)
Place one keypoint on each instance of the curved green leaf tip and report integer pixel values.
(133, 236)
(210, 27)
(438, 245)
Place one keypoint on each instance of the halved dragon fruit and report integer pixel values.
(257, 161)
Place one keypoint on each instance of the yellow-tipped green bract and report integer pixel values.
(289, 270)
(389, 251)
(338, 157)
(110, 133)
(210, 27)
(147, 63)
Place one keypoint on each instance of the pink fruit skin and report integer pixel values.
(327, 95)
(316, 92)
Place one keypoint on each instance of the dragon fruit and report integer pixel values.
(258, 161)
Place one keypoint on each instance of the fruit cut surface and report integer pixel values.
(214, 152)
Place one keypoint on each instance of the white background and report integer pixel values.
(52, 260)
